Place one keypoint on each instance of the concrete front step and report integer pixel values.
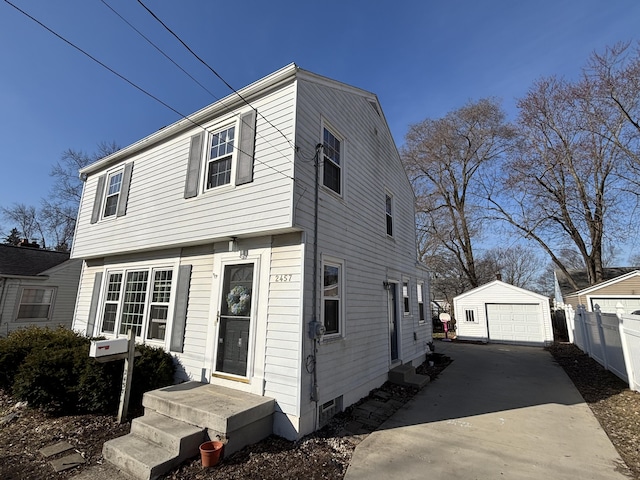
(240, 418)
(176, 436)
(138, 457)
(179, 418)
(406, 375)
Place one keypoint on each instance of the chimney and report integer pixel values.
(498, 276)
(25, 243)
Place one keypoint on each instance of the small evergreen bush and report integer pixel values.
(52, 370)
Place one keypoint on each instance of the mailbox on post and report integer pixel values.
(106, 348)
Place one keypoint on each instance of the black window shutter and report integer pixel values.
(180, 310)
(93, 309)
(97, 202)
(246, 148)
(124, 190)
(193, 168)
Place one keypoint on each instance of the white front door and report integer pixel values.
(234, 332)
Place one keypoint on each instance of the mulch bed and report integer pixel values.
(322, 455)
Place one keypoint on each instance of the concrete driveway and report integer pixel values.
(497, 412)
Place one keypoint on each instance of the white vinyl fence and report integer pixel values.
(613, 340)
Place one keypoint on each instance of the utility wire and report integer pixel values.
(159, 49)
(184, 71)
(137, 87)
(213, 71)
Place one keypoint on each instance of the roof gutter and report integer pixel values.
(228, 103)
(24, 277)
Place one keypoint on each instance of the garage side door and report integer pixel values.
(515, 323)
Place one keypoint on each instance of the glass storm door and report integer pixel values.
(235, 319)
(393, 320)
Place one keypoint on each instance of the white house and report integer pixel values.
(37, 288)
(218, 239)
(502, 313)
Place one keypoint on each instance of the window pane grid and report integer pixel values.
(134, 302)
(331, 298)
(219, 173)
(331, 163)
(162, 286)
(113, 192)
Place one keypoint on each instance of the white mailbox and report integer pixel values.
(104, 348)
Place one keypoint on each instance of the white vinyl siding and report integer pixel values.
(63, 279)
(282, 349)
(503, 313)
(352, 227)
(156, 193)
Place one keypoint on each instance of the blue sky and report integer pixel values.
(423, 58)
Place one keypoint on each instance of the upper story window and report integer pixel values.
(114, 185)
(35, 304)
(220, 156)
(332, 301)
(112, 193)
(389, 214)
(332, 166)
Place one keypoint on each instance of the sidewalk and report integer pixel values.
(497, 412)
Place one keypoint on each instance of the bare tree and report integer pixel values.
(59, 211)
(517, 265)
(67, 187)
(562, 186)
(26, 217)
(444, 159)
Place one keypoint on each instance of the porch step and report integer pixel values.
(179, 418)
(239, 417)
(406, 375)
(139, 457)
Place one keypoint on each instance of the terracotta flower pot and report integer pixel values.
(210, 453)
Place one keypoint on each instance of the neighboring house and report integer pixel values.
(209, 239)
(37, 287)
(502, 313)
(621, 286)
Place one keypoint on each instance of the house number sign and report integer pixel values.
(284, 278)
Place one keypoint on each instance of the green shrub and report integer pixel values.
(52, 370)
(153, 369)
(18, 345)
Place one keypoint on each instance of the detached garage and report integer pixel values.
(501, 313)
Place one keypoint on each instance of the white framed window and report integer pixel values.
(112, 194)
(420, 294)
(389, 214)
(220, 155)
(137, 299)
(332, 160)
(332, 296)
(406, 299)
(469, 315)
(36, 303)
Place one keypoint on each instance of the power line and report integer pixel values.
(159, 49)
(137, 87)
(213, 71)
(185, 72)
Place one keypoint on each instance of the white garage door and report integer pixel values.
(515, 323)
(608, 305)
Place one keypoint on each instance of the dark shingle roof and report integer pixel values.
(28, 261)
(582, 280)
